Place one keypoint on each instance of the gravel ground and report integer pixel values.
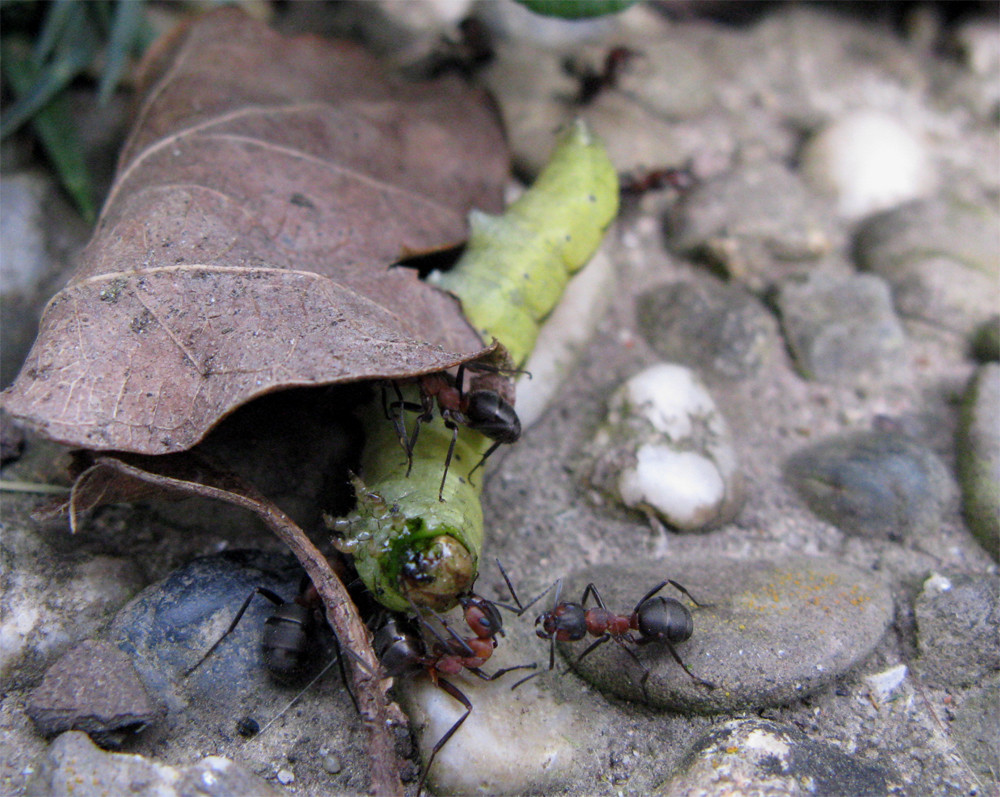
(817, 467)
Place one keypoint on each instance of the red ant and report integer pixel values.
(655, 619)
(483, 409)
(410, 645)
(593, 82)
(678, 178)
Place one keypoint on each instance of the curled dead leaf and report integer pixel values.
(248, 240)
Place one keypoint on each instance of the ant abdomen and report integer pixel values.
(663, 618)
(492, 415)
(286, 639)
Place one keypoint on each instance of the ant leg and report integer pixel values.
(343, 675)
(649, 595)
(487, 677)
(447, 460)
(677, 658)
(456, 693)
(592, 588)
(521, 609)
(526, 679)
(271, 596)
(681, 589)
(489, 451)
(596, 644)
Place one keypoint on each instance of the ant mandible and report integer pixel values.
(655, 619)
(405, 646)
(482, 409)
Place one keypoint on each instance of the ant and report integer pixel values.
(482, 409)
(655, 619)
(678, 178)
(593, 82)
(289, 634)
(405, 645)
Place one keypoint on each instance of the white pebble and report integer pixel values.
(511, 743)
(870, 161)
(665, 447)
(681, 485)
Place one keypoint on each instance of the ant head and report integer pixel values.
(482, 616)
(664, 618)
(567, 622)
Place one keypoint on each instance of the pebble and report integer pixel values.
(941, 257)
(957, 619)
(842, 330)
(757, 222)
(979, 457)
(513, 742)
(974, 728)
(872, 483)
(34, 629)
(171, 624)
(770, 632)
(761, 757)
(870, 161)
(93, 688)
(666, 448)
(73, 766)
(716, 328)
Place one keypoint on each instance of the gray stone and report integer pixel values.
(757, 756)
(758, 223)
(95, 689)
(716, 328)
(770, 632)
(842, 330)
(979, 457)
(957, 620)
(974, 729)
(74, 767)
(942, 258)
(872, 484)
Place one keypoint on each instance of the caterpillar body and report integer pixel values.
(408, 545)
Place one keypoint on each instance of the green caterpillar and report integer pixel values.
(407, 545)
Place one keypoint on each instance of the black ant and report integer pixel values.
(289, 634)
(655, 619)
(412, 645)
(483, 409)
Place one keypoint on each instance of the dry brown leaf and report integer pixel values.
(246, 244)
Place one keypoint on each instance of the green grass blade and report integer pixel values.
(53, 125)
(126, 27)
(46, 82)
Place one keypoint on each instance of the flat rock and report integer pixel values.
(872, 483)
(93, 688)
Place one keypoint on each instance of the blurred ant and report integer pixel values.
(593, 82)
(655, 619)
(482, 409)
(409, 645)
(678, 178)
